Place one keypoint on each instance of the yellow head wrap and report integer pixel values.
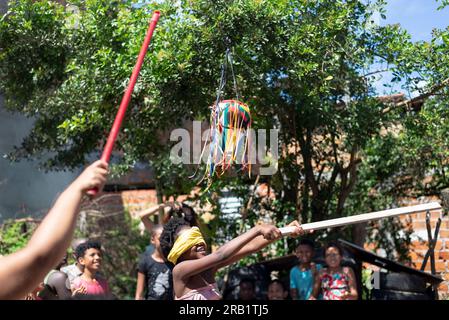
(186, 240)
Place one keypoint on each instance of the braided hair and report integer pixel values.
(169, 233)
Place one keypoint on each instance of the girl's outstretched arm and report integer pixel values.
(256, 245)
(23, 270)
(188, 268)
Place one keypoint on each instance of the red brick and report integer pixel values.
(440, 266)
(424, 246)
(434, 215)
(417, 255)
(445, 223)
(422, 215)
(134, 201)
(416, 216)
(416, 264)
(419, 225)
(433, 224)
(413, 217)
(443, 287)
(444, 255)
(419, 246)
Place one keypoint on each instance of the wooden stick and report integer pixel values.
(363, 217)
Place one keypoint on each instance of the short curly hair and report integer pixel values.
(306, 242)
(168, 235)
(83, 247)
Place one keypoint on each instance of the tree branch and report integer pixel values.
(305, 151)
(346, 186)
(419, 99)
(375, 72)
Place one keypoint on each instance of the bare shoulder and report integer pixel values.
(58, 276)
(179, 269)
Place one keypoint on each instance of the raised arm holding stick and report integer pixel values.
(23, 270)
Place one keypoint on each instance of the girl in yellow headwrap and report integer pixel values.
(194, 270)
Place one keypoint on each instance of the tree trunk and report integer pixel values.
(359, 234)
(159, 200)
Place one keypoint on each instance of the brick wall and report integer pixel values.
(137, 200)
(131, 201)
(420, 243)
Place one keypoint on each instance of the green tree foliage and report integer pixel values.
(304, 67)
(14, 235)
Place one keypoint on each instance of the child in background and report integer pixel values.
(154, 279)
(75, 269)
(302, 275)
(247, 289)
(56, 284)
(276, 290)
(89, 256)
(335, 282)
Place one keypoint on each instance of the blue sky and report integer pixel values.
(418, 17)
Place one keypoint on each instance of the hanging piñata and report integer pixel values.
(229, 136)
(229, 130)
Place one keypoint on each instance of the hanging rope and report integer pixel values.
(229, 124)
